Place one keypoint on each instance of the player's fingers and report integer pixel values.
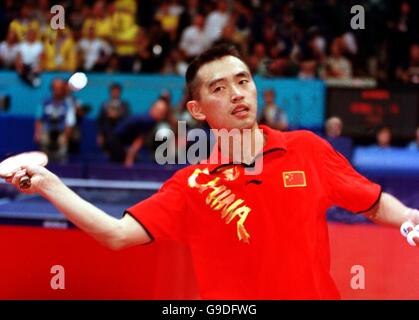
(18, 175)
(406, 227)
(413, 238)
(35, 170)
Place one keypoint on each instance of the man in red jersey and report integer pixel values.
(253, 234)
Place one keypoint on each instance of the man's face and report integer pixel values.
(227, 94)
(115, 93)
(59, 89)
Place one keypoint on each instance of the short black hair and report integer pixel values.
(212, 54)
(116, 85)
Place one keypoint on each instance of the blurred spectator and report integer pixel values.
(8, 51)
(216, 21)
(168, 16)
(9, 11)
(28, 59)
(233, 37)
(112, 112)
(333, 129)
(55, 119)
(124, 37)
(126, 6)
(258, 60)
(308, 70)
(409, 73)
(414, 145)
(60, 51)
(402, 31)
(95, 52)
(194, 39)
(134, 132)
(187, 16)
(242, 16)
(100, 20)
(24, 22)
(152, 48)
(78, 13)
(166, 125)
(337, 65)
(272, 115)
(383, 137)
(175, 63)
(42, 15)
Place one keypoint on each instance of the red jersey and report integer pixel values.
(260, 236)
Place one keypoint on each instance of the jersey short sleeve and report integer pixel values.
(163, 215)
(346, 187)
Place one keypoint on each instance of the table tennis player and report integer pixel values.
(252, 236)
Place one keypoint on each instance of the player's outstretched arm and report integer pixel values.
(113, 233)
(390, 211)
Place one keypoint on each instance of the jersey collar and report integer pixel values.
(275, 142)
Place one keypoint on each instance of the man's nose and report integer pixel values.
(236, 94)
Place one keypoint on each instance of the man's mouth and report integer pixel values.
(240, 110)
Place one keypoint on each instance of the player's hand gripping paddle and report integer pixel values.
(13, 164)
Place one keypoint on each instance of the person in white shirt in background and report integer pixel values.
(9, 50)
(216, 21)
(95, 51)
(28, 59)
(194, 39)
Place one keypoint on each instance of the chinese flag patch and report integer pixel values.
(294, 179)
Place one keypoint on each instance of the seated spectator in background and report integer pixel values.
(8, 51)
(232, 36)
(259, 60)
(414, 145)
(272, 115)
(81, 111)
(169, 19)
(336, 65)
(112, 112)
(60, 51)
(25, 22)
(409, 73)
(308, 70)
(165, 126)
(152, 48)
(124, 38)
(55, 119)
(383, 137)
(95, 52)
(29, 58)
(100, 20)
(175, 63)
(333, 130)
(216, 21)
(77, 17)
(134, 132)
(194, 40)
(42, 14)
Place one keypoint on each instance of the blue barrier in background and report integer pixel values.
(303, 101)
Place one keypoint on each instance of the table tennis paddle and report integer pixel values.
(11, 165)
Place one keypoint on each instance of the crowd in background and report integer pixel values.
(300, 38)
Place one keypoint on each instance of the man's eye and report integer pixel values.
(217, 89)
(243, 81)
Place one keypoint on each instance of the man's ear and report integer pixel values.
(195, 110)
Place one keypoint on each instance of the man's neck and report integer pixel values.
(243, 145)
